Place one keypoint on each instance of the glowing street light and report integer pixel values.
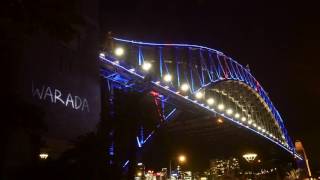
(219, 121)
(119, 51)
(43, 156)
(250, 157)
(210, 101)
(221, 107)
(167, 78)
(184, 87)
(243, 119)
(199, 95)
(182, 158)
(237, 115)
(229, 111)
(146, 66)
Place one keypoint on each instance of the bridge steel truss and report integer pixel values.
(205, 74)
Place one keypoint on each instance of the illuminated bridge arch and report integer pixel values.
(197, 76)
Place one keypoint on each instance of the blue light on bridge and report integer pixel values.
(233, 71)
(201, 105)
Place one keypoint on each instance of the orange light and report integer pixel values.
(219, 120)
(182, 158)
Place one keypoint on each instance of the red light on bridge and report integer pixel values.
(153, 93)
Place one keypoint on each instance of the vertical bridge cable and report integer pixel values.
(140, 56)
(190, 68)
(161, 61)
(177, 66)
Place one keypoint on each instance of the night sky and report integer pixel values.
(279, 41)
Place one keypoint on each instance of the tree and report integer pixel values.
(294, 174)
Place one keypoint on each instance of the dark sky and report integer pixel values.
(279, 40)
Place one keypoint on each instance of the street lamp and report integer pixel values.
(119, 51)
(146, 66)
(167, 78)
(185, 87)
(250, 157)
(181, 159)
(43, 156)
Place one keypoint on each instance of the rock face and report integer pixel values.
(61, 78)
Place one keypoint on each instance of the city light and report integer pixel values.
(182, 158)
(43, 156)
(146, 66)
(237, 115)
(221, 107)
(219, 121)
(210, 101)
(184, 87)
(119, 51)
(167, 78)
(102, 55)
(139, 174)
(250, 157)
(199, 95)
(243, 119)
(250, 122)
(229, 111)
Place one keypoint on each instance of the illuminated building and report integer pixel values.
(220, 167)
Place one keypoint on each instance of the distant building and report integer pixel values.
(220, 167)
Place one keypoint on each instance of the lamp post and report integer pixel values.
(181, 159)
(250, 157)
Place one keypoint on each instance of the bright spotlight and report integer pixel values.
(237, 115)
(184, 87)
(254, 125)
(43, 156)
(229, 111)
(250, 156)
(259, 128)
(146, 66)
(199, 95)
(243, 119)
(250, 122)
(167, 78)
(221, 107)
(119, 51)
(102, 55)
(210, 101)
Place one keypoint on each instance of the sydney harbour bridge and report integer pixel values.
(197, 79)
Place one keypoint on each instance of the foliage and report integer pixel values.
(294, 174)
